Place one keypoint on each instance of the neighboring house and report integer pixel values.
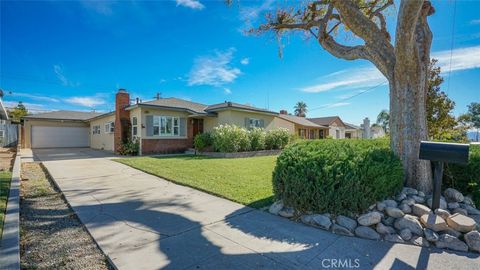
(353, 131)
(371, 131)
(335, 126)
(164, 125)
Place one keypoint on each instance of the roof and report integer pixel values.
(299, 120)
(226, 105)
(351, 126)
(325, 121)
(175, 103)
(64, 115)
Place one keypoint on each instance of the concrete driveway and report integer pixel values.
(144, 222)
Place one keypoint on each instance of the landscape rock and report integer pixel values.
(382, 229)
(287, 212)
(433, 222)
(347, 222)
(409, 191)
(381, 206)
(468, 200)
(307, 219)
(421, 194)
(453, 195)
(394, 212)
(460, 211)
(453, 205)
(394, 238)
(322, 221)
(337, 229)
(275, 207)
(431, 235)
(470, 209)
(442, 213)
(451, 242)
(461, 223)
(420, 241)
(400, 197)
(418, 199)
(369, 219)
(452, 232)
(406, 234)
(443, 203)
(367, 233)
(473, 240)
(409, 222)
(405, 208)
(420, 210)
(388, 221)
(390, 203)
(408, 201)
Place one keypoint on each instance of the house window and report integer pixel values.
(337, 134)
(109, 127)
(96, 129)
(321, 134)
(2, 133)
(312, 134)
(134, 126)
(166, 126)
(302, 132)
(255, 123)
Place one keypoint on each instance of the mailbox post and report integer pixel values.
(440, 153)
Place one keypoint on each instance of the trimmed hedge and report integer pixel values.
(465, 178)
(336, 176)
(202, 141)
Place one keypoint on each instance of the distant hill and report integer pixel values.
(472, 135)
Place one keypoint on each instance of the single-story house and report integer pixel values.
(336, 127)
(163, 125)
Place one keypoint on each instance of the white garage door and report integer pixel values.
(51, 137)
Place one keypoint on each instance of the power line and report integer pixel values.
(350, 97)
(452, 43)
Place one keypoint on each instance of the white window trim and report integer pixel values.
(111, 127)
(254, 123)
(2, 133)
(163, 119)
(96, 130)
(134, 126)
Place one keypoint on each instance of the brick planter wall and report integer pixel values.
(165, 146)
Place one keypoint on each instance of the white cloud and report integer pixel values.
(245, 61)
(214, 70)
(58, 69)
(474, 22)
(462, 59)
(227, 91)
(36, 97)
(193, 4)
(251, 14)
(338, 104)
(86, 101)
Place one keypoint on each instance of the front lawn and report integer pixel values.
(5, 178)
(244, 180)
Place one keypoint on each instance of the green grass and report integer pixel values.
(244, 180)
(5, 178)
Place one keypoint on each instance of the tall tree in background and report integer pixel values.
(472, 118)
(18, 112)
(404, 62)
(441, 123)
(300, 109)
(383, 119)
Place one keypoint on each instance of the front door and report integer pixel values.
(197, 126)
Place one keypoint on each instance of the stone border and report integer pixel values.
(10, 244)
(260, 153)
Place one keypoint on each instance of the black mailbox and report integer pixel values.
(439, 153)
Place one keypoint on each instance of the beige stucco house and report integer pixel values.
(163, 125)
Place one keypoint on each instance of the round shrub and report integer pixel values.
(277, 138)
(202, 141)
(257, 139)
(336, 176)
(230, 138)
(465, 178)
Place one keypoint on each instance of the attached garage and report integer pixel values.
(58, 129)
(52, 137)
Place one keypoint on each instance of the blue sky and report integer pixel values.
(75, 55)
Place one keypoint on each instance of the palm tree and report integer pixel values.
(383, 120)
(300, 109)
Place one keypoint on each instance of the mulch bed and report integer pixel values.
(51, 235)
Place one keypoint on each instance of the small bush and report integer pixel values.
(202, 141)
(230, 138)
(257, 139)
(277, 138)
(336, 176)
(130, 148)
(465, 178)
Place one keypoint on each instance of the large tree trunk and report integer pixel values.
(408, 123)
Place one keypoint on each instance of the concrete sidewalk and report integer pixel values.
(144, 222)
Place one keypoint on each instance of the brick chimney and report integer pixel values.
(122, 118)
(283, 112)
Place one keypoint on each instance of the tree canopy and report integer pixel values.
(18, 112)
(300, 109)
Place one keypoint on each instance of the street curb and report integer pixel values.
(10, 244)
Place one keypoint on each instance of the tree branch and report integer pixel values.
(406, 22)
